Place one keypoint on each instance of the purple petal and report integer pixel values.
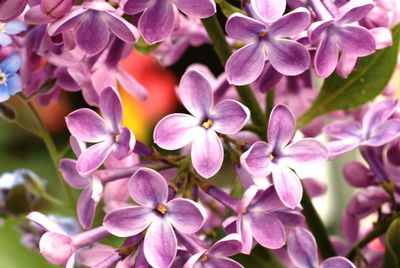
(125, 144)
(136, 6)
(244, 229)
(357, 175)
(111, 108)
(383, 134)
(56, 248)
(302, 248)
(175, 131)
(86, 208)
(281, 126)
(95, 255)
(92, 158)
(243, 28)
(45, 222)
(223, 262)
(356, 40)
(130, 85)
(343, 130)
(337, 262)
(157, 22)
(148, 188)
(287, 185)
(71, 175)
(195, 93)
(229, 116)
(270, 236)
(347, 63)
(66, 22)
(256, 159)
(339, 147)
(85, 125)
(291, 24)
(268, 79)
(269, 10)
(383, 37)
(314, 187)
(160, 244)
(307, 152)
(326, 57)
(128, 221)
(185, 215)
(228, 246)
(121, 28)
(207, 153)
(196, 8)
(354, 11)
(377, 114)
(92, 44)
(317, 28)
(246, 64)
(288, 57)
(266, 201)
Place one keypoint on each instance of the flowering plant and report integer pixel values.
(236, 177)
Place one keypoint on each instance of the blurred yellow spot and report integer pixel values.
(207, 124)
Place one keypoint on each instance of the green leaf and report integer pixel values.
(227, 8)
(260, 258)
(392, 246)
(365, 83)
(143, 48)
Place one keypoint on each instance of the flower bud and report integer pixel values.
(56, 8)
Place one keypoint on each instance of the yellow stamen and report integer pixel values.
(3, 78)
(207, 124)
(204, 258)
(262, 34)
(116, 138)
(271, 157)
(162, 209)
(2, 25)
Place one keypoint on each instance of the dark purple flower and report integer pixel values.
(279, 156)
(156, 214)
(200, 129)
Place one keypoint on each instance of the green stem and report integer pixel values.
(269, 103)
(224, 51)
(317, 227)
(53, 200)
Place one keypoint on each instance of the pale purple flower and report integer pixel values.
(10, 9)
(279, 156)
(375, 129)
(156, 214)
(200, 129)
(217, 255)
(302, 251)
(11, 28)
(93, 22)
(10, 81)
(340, 33)
(106, 132)
(267, 41)
(158, 19)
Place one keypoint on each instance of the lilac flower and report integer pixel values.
(10, 9)
(279, 156)
(107, 132)
(376, 129)
(56, 9)
(267, 42)
(57, 246)
(217, 255)
(10, 28)
(340, 32)
(93, 21)
(158, 18)
(257, 208)
(156, 214)
(177, 130)
(302, 250)
(10, 81)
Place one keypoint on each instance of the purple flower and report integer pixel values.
(257, 208)
(177, 130)
(10, 9)
(107, 132)
(267, 42)
(10, 81)
(157, 21)
(56, 8)
(376, 129)
(340, 32)
(279, 156)
(156, 214)
(10, 28)
(302, 251)
(217, 255)
(93, 21)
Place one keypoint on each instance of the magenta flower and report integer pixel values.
(156, 214)
(10, 9)
(107, 132)
(376, 129)
(158, 18)
(341, 32)
(217, 255)
(93, 21)
(279, 156)
(267, 42)
(302, 251)
(177, 130)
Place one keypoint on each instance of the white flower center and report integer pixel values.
(3, 78)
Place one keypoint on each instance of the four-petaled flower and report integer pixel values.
(156, 214)
(177, 130)
(11, 28)
(10, 81)
(279, 156)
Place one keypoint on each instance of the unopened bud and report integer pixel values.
(56, 8)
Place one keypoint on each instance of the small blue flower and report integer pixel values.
(10, 28)
(10, 81)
